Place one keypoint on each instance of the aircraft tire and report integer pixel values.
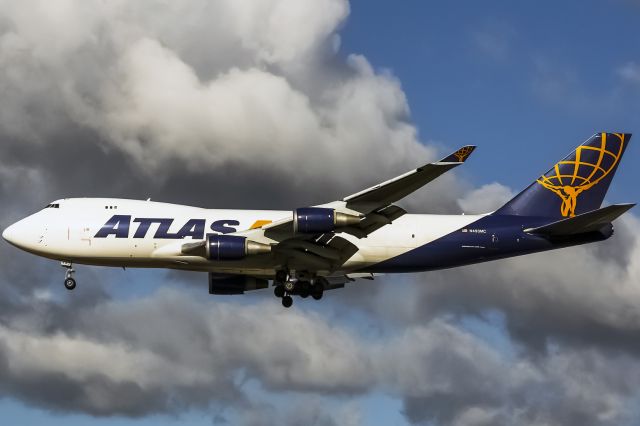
(289, 286)
(278, 291)
(69, 283)
(287, 301)
(317, 290)
(303, 289)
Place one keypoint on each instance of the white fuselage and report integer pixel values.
(151, 234)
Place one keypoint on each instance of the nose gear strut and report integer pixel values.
(69, 282)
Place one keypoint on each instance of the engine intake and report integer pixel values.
(309, 220)
(233, 247)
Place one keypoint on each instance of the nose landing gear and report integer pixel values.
(69, 282)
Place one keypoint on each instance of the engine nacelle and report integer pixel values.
(234, 284)
(309, 220)
(233, 247)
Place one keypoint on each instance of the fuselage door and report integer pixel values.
(80, 234)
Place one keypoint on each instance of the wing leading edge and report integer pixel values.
(328, 251)
(395, 189)
(375, 204)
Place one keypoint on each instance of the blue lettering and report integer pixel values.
(163, 230)
(221, 226)
(145, 223)
(118, 225)
(194, 228)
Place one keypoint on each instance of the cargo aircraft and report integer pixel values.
(312, 249)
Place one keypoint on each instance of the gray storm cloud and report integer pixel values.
(257, 86)
(252, 104)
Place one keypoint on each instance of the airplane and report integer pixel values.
(312, 249)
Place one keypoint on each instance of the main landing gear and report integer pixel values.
(303, 286)
(69, 282)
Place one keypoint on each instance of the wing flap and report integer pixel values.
(327, 252)
(374, 221)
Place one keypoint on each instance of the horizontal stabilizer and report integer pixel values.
(582, 223)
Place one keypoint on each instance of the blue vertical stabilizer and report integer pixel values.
(575, 185)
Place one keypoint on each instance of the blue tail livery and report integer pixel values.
(577, 184)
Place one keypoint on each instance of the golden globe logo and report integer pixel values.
(570, 178)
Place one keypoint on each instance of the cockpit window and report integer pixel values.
(52, 206)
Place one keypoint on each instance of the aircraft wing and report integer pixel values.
(374, 206)
(399, 187)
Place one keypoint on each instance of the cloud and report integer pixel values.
(485, 199)
(130, 358)
(194, 354)
(494, 40)
(305, 411)
(555, 81)
(583, 296)
(630, 72)
(275, 97)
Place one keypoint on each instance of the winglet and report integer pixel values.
(460, 156)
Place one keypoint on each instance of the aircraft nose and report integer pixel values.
(8, 233)
(24, 234)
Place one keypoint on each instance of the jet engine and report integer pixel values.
(309, 220)
(233, 247)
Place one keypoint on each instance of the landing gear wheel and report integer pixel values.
(69, 283)
(317, 290)
(303, 288)
(289, 286)
(287, 301)
(278, 291)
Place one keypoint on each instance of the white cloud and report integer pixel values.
(486, 198)
(254, 84)
(494, 41)
(630, 72)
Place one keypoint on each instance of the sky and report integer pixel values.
(287, 103)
